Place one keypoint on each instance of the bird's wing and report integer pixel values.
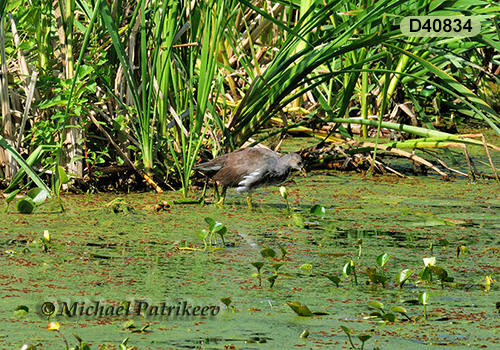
(246, 164)
(212, 165)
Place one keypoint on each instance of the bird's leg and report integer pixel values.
(249, 200)
(222, 196)
(202, 200)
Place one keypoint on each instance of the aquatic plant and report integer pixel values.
(55, 326)
(360, 244)
(283, 252)
(461, 250)
(45, 239)
(403, 276)
(299, 309)
(26, 204)
(423, 297)
(304, 334)
(272, 280)
(267, 252)
(382, 260)
(227, 302)
(317, 209)
(374, 276)
(401, 310)
(258, 265)
(431, 268)
(333, 278)
(215, 228)
(362, 337)
(349, 270)
(284, 194)
(386, 316)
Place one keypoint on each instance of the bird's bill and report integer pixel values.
(303, 171)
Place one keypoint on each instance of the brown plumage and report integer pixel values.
(249, 168)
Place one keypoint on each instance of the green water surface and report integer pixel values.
(119, 254)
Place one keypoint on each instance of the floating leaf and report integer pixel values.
(304, 334)
(283, 251)
(28, 347)
(217, 226)
(202, 234)
(376, 305)
(21, 310)
(299, 309)
(425, 273)
(25, 205)
(272, 280)
(389, 317)
(348, 268)
(444, 242)
(334, 279)
(399, 310)
(317, 210)
(123, 345)
(268, 253)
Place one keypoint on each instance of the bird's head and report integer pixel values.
(295, 162)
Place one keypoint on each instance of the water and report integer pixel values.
(111, 256)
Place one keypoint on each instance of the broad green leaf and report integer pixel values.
(403, 276)
(317, 209)
(39, 195)
(382, 259)
(376, 305)
(364, 337)
(299, 309)
(346, 330)
(334, 279)
(25, 205)
(258, 264)
(389, 317)
(399, 310)
(210, 221)
(422, 297)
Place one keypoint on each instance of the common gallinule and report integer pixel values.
(249, 168)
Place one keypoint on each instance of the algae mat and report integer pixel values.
(117, 271)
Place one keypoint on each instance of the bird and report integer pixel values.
(247, 169)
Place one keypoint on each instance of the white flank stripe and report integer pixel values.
(247, 181)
